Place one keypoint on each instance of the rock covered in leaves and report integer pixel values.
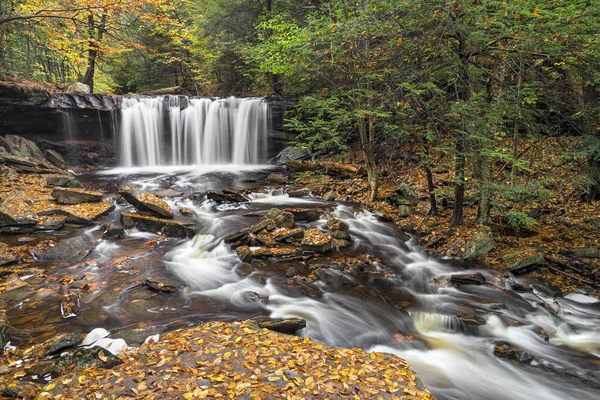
(147, 203)
(146, 223)
(75, 196)
(235, 360)
(317, 241)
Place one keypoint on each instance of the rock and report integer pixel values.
(165, 285)
(51, 223)
(167, 193)
(298, 193)
(55, 158)
(282, 325)
(78, 88)
(244, 253)
(404, 211)
(317, 241)
(186, 212)
(527, 264)
(22, 147)
(329, 196)
(4, 330)
(291, 272)
(382, 216)
(288, 154)
(224, 197)
(62, 342)
(478, 248)
(406, 192)
(285, 219)
(261, 225)
(468, 279)
(584, 253)
(111, 232)
(273, 212)
(505, 350)
(335, 224)
(75, 196)
(236, 237)
(82, 214)
(147, 223)
(277, 178)
(288, 234)
(341, 235)
(305, 214)
(72, 250)
(93, 357)
(15, 211)
(147, 203)
(62, 180)
(254, 297)
(69, 301)
(8, 257)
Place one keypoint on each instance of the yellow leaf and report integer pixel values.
(399, 41)
(310, 382)
(49, 387)
(188, 395)
(81, 378)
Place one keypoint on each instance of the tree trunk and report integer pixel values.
(366, 129)
(515, 139)
(95, 33)
(273, 79)
(459, 181)
(430, 188)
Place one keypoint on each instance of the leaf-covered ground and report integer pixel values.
(229, 360)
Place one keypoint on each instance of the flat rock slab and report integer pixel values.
(70, 250)
(94, 357)
(148, 203)
(282, 325)
(167, 193)
(15, 211)
(146, 223)
(75, 196)
(81, 214)
(166, 285)
(55, 158)
(62, 180)
(226, 197)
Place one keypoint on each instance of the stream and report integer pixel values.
(446, 333)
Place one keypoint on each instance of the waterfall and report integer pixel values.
(198, 131)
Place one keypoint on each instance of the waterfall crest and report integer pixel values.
(197, 131)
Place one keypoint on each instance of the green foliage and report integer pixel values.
(519, 220)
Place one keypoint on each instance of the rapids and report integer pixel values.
(446, 333)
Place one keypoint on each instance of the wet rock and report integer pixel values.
(236, 237)
(383, 217)
(72, 250)
(317, 241)
(165, 285)
(527, 264)
(15, 212)
(298, 193)
(288, 154)
(467, 279)
(289, 234)
(291, 272)
(226, 197)
(8, 257)
(329, 196)
(505, 350)
(4, 330)
(255, 297)
(69, 301)
(341, 244)
(55, 158)
(94, 357)
(147, 203)
(404, 211)
(285, 219)
(261, 225)
(273, 212)
(479, 247)
(75, 196)
(305, 214)
(167, 227)
(277, 178)
(335, 224)
(282, 325)
(111, 232)
(62, 180)
(340, 235)
(82, 214)
(243, 269)
(244, 253)
(167, 193)
(186, 212)
(62, 342)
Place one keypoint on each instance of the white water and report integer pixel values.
(454, 360)
(205, 132)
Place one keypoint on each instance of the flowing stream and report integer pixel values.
(398, 300)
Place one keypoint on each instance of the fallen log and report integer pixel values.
(163, 91)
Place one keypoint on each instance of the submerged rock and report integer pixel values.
(468, 279)
(167, 227)
(111, 232)
(76, 196)
(72, 250)
(167, 193)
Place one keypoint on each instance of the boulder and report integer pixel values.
(335, 224)
(277, 178)
(505, 350)
(316, 241)
(167, 227)
(72, 250)
(479, 247)
(261, 225)
(75, 196)
(55, 158)
(51, 222)
(4, 330)
(8, 256)
(305, 214)
(22, 147)
(61, 342)
(273, 212)
(404, 211)
(341, 235)
(288, 154)
(62, 180)
(78, 88)
(289, 234)
(282, 325)
(111, 232)
(588, 252)
(527, 264)
(226, 197)
(14, 211)
(84, 358)
(148, 203)
(285, 219)
(165, 285)
(244, 253)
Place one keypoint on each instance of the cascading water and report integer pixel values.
(205, 131)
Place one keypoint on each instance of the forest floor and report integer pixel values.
(564, 229)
